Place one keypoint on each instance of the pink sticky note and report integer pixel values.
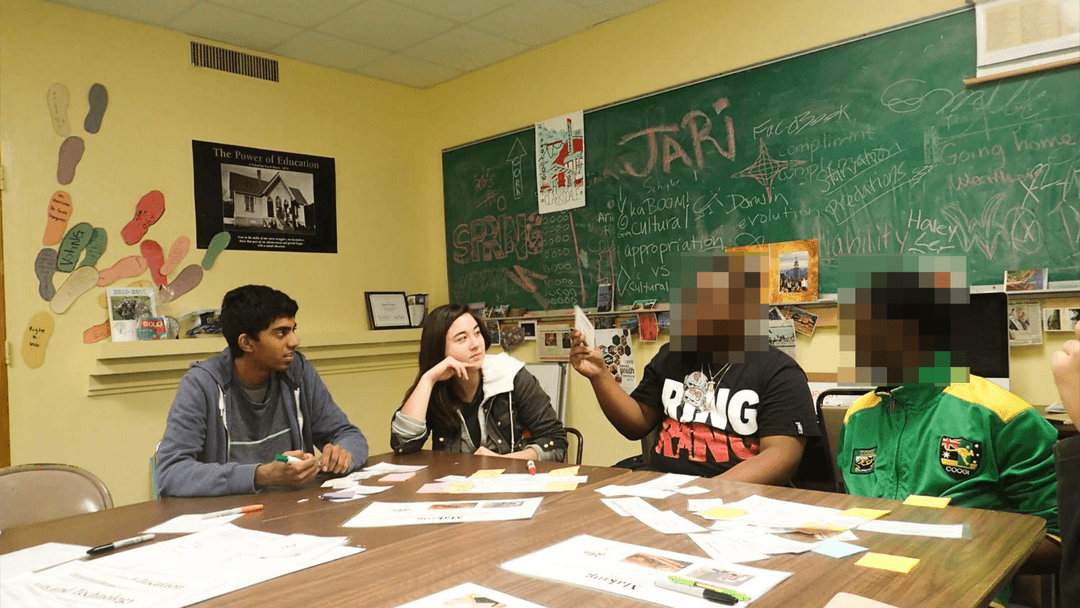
(395, 477)
(432, 488)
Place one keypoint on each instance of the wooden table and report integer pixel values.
(406, 563)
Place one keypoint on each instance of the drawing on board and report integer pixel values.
(560, 163)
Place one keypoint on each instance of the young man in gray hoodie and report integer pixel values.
(235, 413)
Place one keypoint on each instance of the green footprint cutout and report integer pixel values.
(217, 244)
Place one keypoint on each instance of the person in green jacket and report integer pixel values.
(932, 429)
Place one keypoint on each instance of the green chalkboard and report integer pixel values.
(874, 145)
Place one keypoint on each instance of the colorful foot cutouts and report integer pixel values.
(97, 333)
(188, 279)
(79, 282)
(151, 252)
(58, 99)
(36, 339)
(45, 268)
(131, 266)
(72, 247)
(99, 100)
(57, 220)
(177, 253)
(147, 212)
(95, 248)
(71, 152)
(217, 244)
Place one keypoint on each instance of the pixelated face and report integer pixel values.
(902, 319)
(719, 305)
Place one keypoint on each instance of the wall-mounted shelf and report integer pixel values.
(125, 367)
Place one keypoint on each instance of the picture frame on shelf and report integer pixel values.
(387, 310)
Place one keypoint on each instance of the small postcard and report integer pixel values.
(648, 329)
(585, 326)
(553, 342)
(1024, 324)
(1060, 319)
(643, 304)
(604, 301)
(528, 330)
(804, 321)
(126, 306)
(1029, 279)
(775, 314)
(782, 336)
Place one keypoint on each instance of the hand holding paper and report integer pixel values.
(582, 324)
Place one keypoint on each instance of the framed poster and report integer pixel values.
(267, 200)
(387, 310)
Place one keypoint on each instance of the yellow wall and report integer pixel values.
(387, 141)
(158, 104)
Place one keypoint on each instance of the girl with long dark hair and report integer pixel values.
(471, 402)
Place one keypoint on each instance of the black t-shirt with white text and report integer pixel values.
(706, 432)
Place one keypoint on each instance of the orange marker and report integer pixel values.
(236, 511)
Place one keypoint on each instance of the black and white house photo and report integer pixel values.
(267, 200)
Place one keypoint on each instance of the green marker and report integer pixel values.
(692, 583)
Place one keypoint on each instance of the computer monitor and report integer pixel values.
(988, 342)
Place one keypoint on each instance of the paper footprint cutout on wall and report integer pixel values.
(80, 282)
(71, 152)
(99, 100)
(57, 219)
(188, 279)
(217, 244)
(72, 247)
(151, 252)
(97, 333)
(36, 338)
(99, 240)
(58, 99)
(45, 268)
(177, 253)
(148, 211)
(131, 266)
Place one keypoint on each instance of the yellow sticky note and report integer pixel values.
(565, 471)
(560, 486)
(883, 561)
(487, 473)
(722, 513)
(937, 502)
(459, 487)
(865, 513)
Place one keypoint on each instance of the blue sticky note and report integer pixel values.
(838, 549)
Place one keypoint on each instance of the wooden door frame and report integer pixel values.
(5, 426)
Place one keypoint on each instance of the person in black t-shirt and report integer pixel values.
(726, 402)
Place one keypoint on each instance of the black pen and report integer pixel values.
(98, 550)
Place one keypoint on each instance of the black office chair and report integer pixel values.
(830, 419)
(580, 444)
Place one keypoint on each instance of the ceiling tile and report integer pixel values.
(539, 21)
(458, 10)
(304, 13)
(385, 25)
(408, 71)
(148, 11)
(614, 8)
(324, 49)
(234, 27)
(466, 49)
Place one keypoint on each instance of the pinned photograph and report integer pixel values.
(1029, 279)
(603, 297)
(1060, 319)
(1024, 324)
(643, 304)
(775, 314)
(126, 306)
(528, 330)
(805, 322)
(782, 336)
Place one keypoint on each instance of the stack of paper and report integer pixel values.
(382, 514)
(505, 484)
(174, 573)
(665, 522)
(661, 487)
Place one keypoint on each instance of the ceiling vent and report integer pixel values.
(234, 62)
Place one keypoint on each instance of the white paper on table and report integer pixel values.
(634, 491)
(585, 326)
(193, 522)
(341, 483)
(848, 600)
(725, 550)
(381, 514)
(692, 490)
(912, 529)
(664, 522)
(767, 543)
(698, 505)
(386, 467)
(38, 557)
(512, 483)
(845, 536)
(630, 570)
(786, 514)
(616, 504)
(462, 596)
(297, 546)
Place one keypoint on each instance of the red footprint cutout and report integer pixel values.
(147, 212)
(151, 251)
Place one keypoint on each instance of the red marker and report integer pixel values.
(532, 468)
